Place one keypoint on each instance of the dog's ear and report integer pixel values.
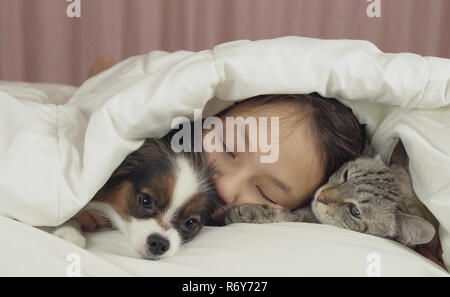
(152, 148)
(217, 214)
(130, 163)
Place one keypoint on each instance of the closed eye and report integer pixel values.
(265, 196)
(225, 150)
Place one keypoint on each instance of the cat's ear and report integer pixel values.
(414, 230)
(368, 151)
(397, 154)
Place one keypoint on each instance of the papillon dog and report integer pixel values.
(157, 198)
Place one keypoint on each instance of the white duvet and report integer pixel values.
(60, 144)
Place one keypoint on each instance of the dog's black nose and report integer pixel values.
(157, 244)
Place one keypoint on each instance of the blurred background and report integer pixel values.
(40, 43)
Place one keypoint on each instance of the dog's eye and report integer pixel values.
(191, 224)
(145, 200)
(354, 211)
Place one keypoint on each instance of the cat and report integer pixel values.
(370, 194)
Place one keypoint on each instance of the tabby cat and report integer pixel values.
(370, 194)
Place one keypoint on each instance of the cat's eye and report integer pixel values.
(145, 200)
(354, 211)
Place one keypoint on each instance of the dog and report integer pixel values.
(157, 198)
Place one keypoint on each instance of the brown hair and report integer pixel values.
(339, 135)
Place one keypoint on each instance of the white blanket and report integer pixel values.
(60, 144)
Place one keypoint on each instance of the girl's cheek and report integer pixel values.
(208, 157)
(217, 161)
(211, 158)
(207, 147)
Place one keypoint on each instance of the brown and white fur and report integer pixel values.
(157, 198)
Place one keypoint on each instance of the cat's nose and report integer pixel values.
(321, 198)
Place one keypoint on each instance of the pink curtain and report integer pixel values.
(39, 42)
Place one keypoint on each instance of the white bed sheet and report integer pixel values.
(285, 249)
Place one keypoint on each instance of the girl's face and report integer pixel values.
(241, 178)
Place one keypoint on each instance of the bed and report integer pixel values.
(67, 141)
(287, 249)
